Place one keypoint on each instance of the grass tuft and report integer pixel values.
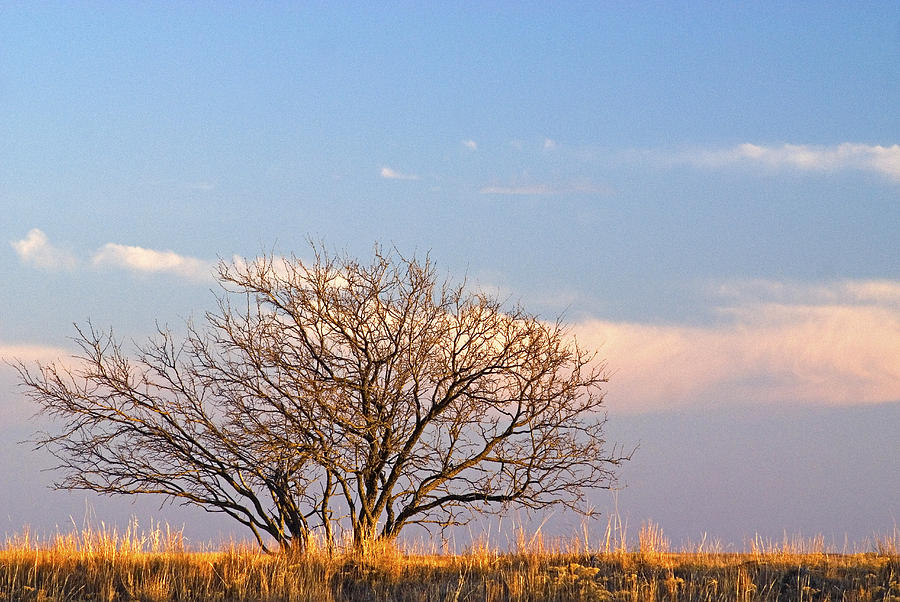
(155, 565)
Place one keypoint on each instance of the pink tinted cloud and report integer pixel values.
(842, 352)
(15, 408)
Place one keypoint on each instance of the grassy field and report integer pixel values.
(154, 566)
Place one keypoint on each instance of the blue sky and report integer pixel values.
(709, 192)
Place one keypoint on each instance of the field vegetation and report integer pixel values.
(156, 565)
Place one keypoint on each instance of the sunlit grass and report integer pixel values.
(155, 565)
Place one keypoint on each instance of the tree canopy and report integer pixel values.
(336, 397)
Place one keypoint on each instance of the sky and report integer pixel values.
(708, 193)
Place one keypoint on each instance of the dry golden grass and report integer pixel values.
(154, 565)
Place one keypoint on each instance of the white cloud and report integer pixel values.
(389, 174)
(836, 343)
(279, 266)
(139, 259)
(550, 144)
(470, 144)
(884, 160)
(37, 251)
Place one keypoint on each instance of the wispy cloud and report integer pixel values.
(581, 187)
(36, 250)
(389, 174)
(884, 160)
(139, 259)
(533, 189)
(470, 144)
(550, 144)
(836, 343)
(845, 292)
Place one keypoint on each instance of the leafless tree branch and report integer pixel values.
(338, 396)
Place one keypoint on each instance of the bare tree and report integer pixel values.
(337, 397)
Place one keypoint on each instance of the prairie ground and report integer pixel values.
(155, 566)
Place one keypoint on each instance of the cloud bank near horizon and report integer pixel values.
(10, 352)
(836, 344)
(18, 408)
(833, 342)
